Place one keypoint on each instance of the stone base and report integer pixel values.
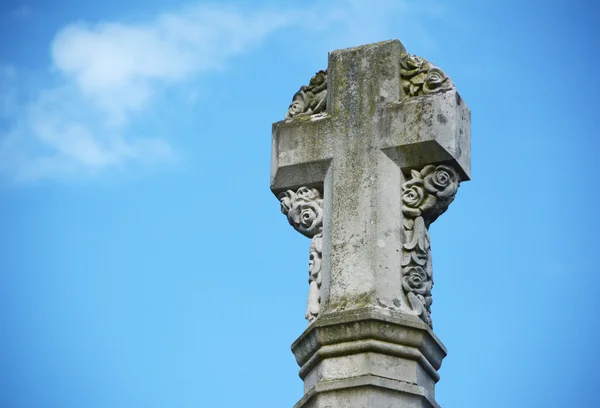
(366, 392)
(368, 358)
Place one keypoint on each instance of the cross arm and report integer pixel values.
(301, 152)
(425, 130)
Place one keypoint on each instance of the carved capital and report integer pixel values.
(425, 197)
(304, 211)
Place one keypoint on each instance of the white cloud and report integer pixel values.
(111, 72)
(117, 65)
(56, 138)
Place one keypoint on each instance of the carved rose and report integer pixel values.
(415, 199)
(443, 181)
(304, 209)
(412, 65)
(415, 280)
(413, 196)
(307, 215)
(425, 196)
(420, 77)
(435, 81)
(307, 212)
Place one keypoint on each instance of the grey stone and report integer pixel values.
(372, 151)
(379, 356)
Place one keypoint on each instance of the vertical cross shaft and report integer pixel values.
(365, 184)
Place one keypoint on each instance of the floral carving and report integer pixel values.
(304, 211)
(425, 197)
(420, 77)
(416, 280)
(310, 99)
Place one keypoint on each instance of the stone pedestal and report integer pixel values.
(368, 358)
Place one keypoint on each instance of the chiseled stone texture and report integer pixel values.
(368, 358)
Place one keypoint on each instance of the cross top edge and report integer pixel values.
(417, 77)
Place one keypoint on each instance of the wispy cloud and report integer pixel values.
(112, 72)
(116, 65)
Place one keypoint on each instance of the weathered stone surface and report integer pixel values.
(389, 352)
(360, 152)
(368, 391)
(381, 141)
(429, 129)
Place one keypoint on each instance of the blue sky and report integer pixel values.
(145, 262)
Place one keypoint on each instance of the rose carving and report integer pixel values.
(420, 77)
(413, 65)
(415, 280)
(306, 217)
(435, 81)
(304, 211)
(442, 181)
(429, 192)
(415, 199)
(425, 196)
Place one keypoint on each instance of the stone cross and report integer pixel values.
(371, 152)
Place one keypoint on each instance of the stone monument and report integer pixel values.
(370, 153)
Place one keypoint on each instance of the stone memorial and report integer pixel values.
(370, 153)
